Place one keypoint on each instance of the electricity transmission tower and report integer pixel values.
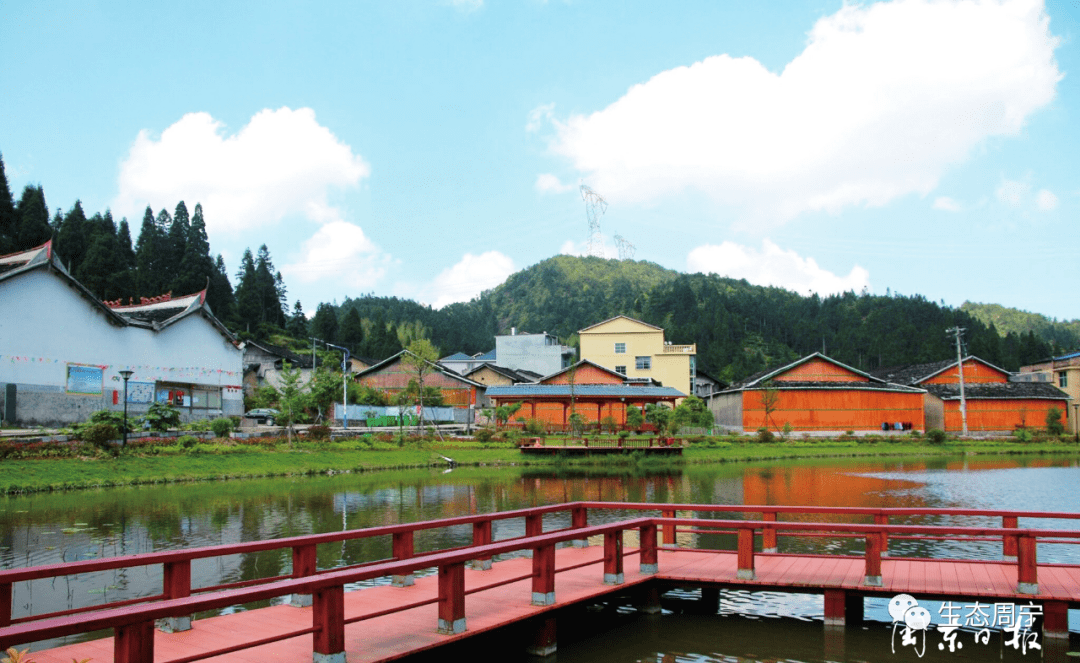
(595, 206)
(626, 249)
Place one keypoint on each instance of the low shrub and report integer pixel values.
(222, 426)
(936, 436)
(1023, 435)
(483, 435)
(187, 441)
(98, 434)
(765, 435)
(318, 432)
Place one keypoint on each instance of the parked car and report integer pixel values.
(264, 415)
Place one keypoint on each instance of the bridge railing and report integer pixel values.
(176, 564)
(133, 626)
(307, 581)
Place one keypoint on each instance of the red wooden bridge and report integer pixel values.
(470, 595)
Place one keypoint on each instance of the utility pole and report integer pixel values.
(958, 333)
(344, 384)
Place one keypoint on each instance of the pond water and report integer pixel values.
(54, 528)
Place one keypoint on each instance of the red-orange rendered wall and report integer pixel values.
(586, 375)
(553, 412)
(819, 370)
(974, 372)
(834, 410)
(1001, 415)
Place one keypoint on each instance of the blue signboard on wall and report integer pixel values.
(83, 379)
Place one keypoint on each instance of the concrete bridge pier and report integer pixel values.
(543, 642)
(843, 608)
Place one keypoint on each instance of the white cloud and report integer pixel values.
(539, 116)
(774, 266)
(469, 277)
(947, 204)
(282, 162)
(548, 183)
(880, 102)
(1046, 201)
(341, 254)
(1012, 192)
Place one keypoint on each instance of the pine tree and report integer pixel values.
(34, 229)
(8, 219)
(196, 265)
(220, 294)
(123, 281)
(147, 255)
(324, 326)
(298, 324)
(248, 306)
(351, 333)
(101, 260)
(74, 237)
(270, 289)
(177, 236)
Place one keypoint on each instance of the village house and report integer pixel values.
(1063, 371)
(392, 376)
(817, 394)
(637, 349)
(62, 350)
(593, 391)
(995, 401)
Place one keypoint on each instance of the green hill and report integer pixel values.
(1063, 335)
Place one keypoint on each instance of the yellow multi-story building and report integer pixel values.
(1063, 371)
(638, 350)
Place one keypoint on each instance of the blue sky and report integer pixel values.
(428, 149)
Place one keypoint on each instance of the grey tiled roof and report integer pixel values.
(584, 390)
(997, 390)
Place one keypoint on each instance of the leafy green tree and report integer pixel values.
(248, 302)
(661, 417)
(634, 417)
(1053, 422)
(123, 282)
(73, 238)
(179, 227)
(693, 412)
(101, 262)
(292, 399)
(419, 359)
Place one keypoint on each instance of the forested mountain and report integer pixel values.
(739, 328)
(1065, 335)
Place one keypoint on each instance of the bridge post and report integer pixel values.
(481, 536)
(649, 563)
(1056, 620)
(768, 535)
(669, 530)
(1027, 571)
(543, 638)
(1008, 541)
(883, 519)
(543, 575)
(5, 604)
(842, 607)
(534, 526)
(746, 554)
(134, 643)
(873, 559)
(613, 558)
(579, 518)
(403, 549)
(452, 599)
(303, 564)
(328, 617)
(177, 585)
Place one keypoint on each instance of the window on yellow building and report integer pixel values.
(1063, 379)
(620, 369)
(620, 348)
(643, 363)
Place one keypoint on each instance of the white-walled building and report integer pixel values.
(62, 350)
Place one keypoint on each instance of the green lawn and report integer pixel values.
(172, 462)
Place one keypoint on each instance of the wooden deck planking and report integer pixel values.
(393, 636)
